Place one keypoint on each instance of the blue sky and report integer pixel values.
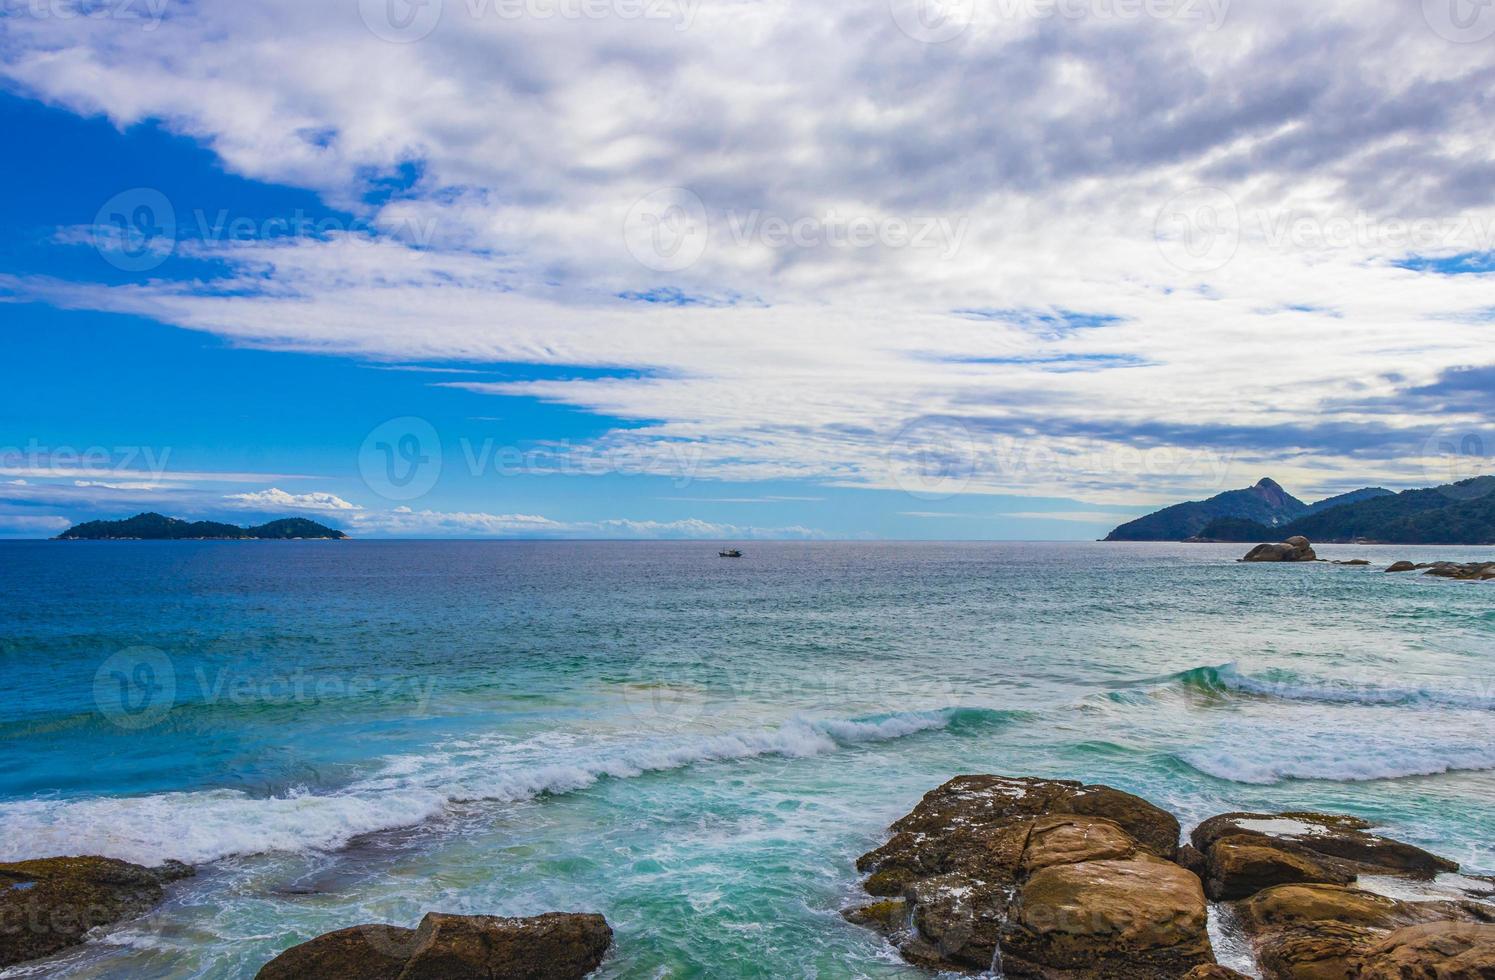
(238, 281)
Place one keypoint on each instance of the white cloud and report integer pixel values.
(32, 525)
(277, 499)
(1329, 129)
(407, 522)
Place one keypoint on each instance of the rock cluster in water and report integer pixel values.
(553, 946)
(1296, 548)
(1057, 880)
(49, 904)
(1468, 571)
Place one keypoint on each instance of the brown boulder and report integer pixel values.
(1338, 845)
(1327, 932)
(1432, 951)
(1295, 548)
(49, 904)
(1213, 971)
(553, 946)
(370, 952)
(1140, 918)
(965, 855)
(1402, 566)
(1240, 866)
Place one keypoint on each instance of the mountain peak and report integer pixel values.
(1267, 483)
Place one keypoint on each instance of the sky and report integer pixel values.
(738, 269)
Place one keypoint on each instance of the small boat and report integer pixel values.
(730, 553)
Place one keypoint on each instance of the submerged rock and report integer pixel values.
(49, 904)
(1473, 571)
(1055, 877)
(1295, 548)
(1467, 571)
(553, 946)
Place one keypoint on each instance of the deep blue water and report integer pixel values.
(699, 748)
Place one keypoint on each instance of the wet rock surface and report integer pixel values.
(1318, 894)
(1049, 877)
(50, 904)
(553, 946)
(1061, 881)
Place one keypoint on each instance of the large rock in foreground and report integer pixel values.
(553, 946)
(1047, 878)
(1296, 548)
(49, 904)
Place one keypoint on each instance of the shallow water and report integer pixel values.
(361, 731)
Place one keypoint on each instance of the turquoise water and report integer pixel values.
(349, 732)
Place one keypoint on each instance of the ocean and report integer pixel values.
(348, 732)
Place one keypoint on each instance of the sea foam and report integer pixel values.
(204, 826)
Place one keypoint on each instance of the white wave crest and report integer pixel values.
(203, 826)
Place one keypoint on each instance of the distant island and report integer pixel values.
(1456, 513)
(157, 527)
(1265, 505)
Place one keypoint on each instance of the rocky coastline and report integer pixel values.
(1018, 877)
(1057, 880)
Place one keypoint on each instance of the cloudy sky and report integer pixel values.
(738, 268)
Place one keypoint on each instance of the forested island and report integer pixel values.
(158, 527)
